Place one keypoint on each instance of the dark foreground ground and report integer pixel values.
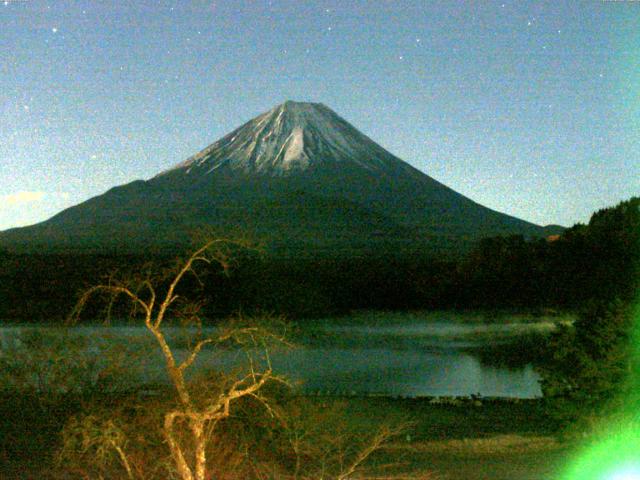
(492, 440)
(488, 440)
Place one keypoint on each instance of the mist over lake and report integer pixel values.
(405, 356)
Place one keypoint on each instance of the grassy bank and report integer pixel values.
(489, 434)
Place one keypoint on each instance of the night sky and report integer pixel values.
(530, 108)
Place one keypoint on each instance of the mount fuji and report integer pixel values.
(299, 177)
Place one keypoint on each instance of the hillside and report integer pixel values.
(298, 177)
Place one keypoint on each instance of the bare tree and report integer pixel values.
(319, 447)
(97, 438)
(189, 424)
(326, 443)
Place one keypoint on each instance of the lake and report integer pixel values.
(405, 357)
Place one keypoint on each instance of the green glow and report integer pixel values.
(629, 472)
(615, 457)
(615, 452)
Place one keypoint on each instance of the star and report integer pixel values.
(26, 108)
(417, 40)
(54, 30)
(401, 57)
(529, 23)
(6, 3)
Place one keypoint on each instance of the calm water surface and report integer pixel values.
(410, 360)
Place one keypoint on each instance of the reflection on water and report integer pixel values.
(405, 373)
(428, 361)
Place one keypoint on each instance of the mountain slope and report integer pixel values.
(299, 176)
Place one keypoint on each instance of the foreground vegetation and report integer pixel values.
(76, 420)
(206, 425)
(328, 429)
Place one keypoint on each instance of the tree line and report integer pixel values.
(596, 260)
(590, 369)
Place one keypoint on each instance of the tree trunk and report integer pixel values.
(181, 464)
(197, 427)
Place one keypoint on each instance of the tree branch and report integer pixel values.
(114, 290)
(198, 255)
(194, 353)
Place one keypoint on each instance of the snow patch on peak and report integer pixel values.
(291, 137)
(293, 106)
(294, 152)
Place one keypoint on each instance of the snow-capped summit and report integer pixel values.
(299, 177)
(291, 137)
